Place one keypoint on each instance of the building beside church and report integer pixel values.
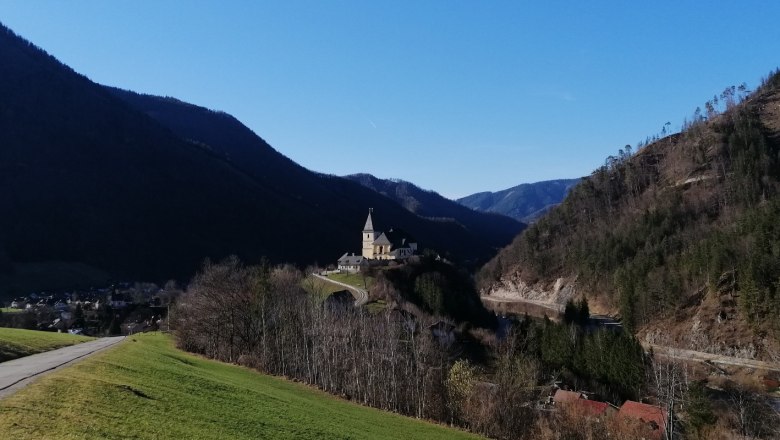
(351, 263)
(394, 244)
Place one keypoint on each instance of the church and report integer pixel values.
(394, 244)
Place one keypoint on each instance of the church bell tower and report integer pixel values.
(368, 236)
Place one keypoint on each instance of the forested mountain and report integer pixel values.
(87, 178)
(497, 229)
(526, 202)
(338, 198)
(682, 236)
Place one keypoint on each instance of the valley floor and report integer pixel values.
(145, 388)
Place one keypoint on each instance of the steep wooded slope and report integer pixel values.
(682, 234)
(86, 178)
(526, 202)
(497, 230)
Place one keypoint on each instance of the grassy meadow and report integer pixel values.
(16, 343)
(353, 279)
(144, 388)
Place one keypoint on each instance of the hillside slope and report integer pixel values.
(145, 389)
(526, 202)
(498, 230)
(681, 239)
(88, 179)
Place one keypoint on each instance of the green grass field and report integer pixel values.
(353, 279)
(146, 389)
(16, 343)
(10, 310)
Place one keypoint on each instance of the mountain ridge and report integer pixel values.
(525, 202)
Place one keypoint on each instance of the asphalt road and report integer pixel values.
(18, 373)
(691, 355)
(361, 296)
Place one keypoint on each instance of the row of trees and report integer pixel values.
(261, 317)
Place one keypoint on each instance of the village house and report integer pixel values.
(580, 403)
(653, 416)
(350, 263)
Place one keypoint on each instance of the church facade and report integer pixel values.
(394, 244)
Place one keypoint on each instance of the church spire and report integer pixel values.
(369, 224)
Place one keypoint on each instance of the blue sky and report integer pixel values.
(454, 96)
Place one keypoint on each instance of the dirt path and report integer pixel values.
(18, 373)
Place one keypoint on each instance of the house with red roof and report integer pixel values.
(593, 408)
(655, 417)
(577, 400)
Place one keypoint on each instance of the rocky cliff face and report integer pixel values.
(514, 288)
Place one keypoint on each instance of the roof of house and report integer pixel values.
(566, 396)
(350, 260)
(382, 240)
(592, 407)
(644, 412)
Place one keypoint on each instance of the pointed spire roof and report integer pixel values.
(369, 224)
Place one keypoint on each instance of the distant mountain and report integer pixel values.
(142, 187)
(526, 202)
(495, 228)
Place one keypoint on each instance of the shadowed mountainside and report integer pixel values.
(86, 178)
(340, 200)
